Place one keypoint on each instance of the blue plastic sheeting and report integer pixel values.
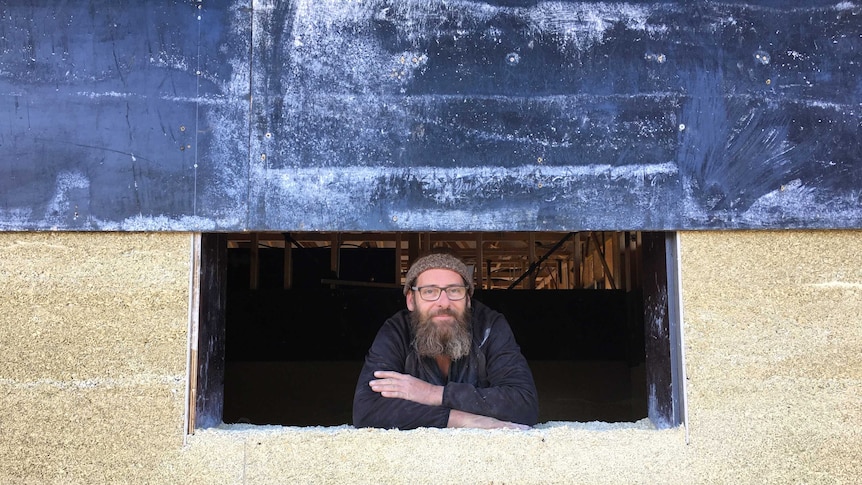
(416, 115)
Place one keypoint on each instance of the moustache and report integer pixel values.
(444, 311)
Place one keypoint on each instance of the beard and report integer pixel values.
(453, 339)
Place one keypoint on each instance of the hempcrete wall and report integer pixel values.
(92, 370)
(92, 379)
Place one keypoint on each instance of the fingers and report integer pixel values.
(380, 385)
(405, 386)
(389, 384)
(387, 374)
(390, 381)
(394, 385)
(388, 388)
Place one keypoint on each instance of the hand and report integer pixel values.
(404, 386)
(462, 419)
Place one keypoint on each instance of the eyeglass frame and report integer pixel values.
(440, 291)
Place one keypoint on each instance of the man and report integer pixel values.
(445, 361)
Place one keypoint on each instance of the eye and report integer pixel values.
(456, 291)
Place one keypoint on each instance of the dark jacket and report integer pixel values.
(494, 380)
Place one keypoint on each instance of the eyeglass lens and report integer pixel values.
(432, 293)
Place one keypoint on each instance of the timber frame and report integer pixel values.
(501, 260)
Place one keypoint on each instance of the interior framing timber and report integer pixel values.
(596, 260)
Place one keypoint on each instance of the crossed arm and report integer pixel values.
(394, 385)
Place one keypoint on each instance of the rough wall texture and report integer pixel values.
(774, 353)
(93, 332)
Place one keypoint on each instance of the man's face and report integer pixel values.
(440, 327)
(433, 309)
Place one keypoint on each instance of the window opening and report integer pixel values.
(286, 319)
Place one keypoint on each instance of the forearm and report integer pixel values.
(506, 403)
(461, 419)
(373, 410)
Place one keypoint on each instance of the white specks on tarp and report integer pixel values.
(335, 40)
(762, 57)
(343, 193)
(350, 94)
(333, 43)
(60, 207)
(171, 61)
(167, 223)
(581, 25)
(16, 218)
(313, 180)
(792, 199)
(405, 64)
(655, 57)
(499, 219)
(225, 121)
(846, 6)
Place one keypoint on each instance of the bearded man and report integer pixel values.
(445, 361)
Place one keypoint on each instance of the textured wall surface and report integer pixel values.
(93, 332)
(773, 341)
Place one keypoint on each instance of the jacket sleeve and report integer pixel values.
(370, 409)
(511, 395)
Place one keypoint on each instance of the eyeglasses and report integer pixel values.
(432, 293)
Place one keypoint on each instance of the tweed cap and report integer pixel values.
(438, 261)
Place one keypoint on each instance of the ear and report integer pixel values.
(411, 305)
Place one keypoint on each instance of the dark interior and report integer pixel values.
(293, 355)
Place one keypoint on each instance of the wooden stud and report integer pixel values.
(398, 258)
(412, 247)
(577, 262)
(601, 248)
(254, 261)
(531, 254)
(615, 251)
(479, 258)
(335, 255)
(288, 262)
(194, 324)
(210, 340)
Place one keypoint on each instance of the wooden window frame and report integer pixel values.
(664, 347)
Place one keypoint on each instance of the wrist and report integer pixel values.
(457, 419)
(436, 395)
